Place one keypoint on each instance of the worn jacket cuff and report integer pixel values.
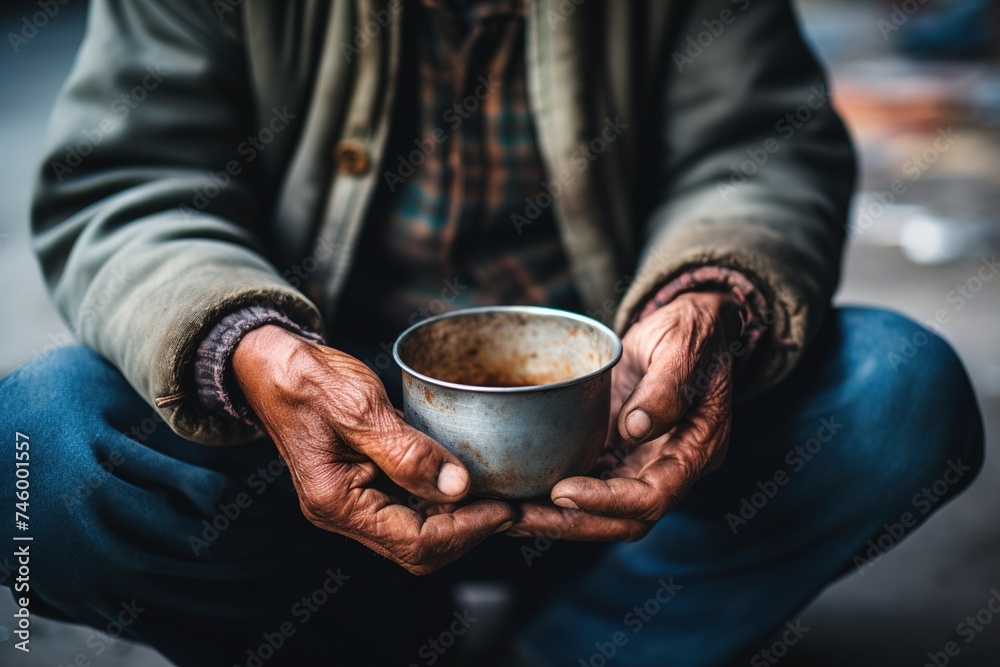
(795, 297)
(217, 390)
(749, 300)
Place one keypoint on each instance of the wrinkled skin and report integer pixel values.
(331, 420)
(671, 404)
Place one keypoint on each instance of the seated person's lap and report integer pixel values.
(210, 544)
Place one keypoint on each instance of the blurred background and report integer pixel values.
(918, 82)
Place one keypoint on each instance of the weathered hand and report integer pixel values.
(331, 420)
(671, 396)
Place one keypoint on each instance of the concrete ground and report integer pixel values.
(907, 256)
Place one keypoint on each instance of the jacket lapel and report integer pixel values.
(302, 198)
(580, 129)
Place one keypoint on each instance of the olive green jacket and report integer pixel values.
(206, 155)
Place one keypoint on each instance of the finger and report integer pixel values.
(658, 473)
(411, 459)
(419, 464)
(424, 544)
(659, 399)
(566, 524)
(646, 498)
(403, 497)
(624, 379)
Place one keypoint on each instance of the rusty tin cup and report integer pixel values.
(520, 394)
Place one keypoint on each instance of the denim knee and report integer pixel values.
(911, 392)
(111, 482)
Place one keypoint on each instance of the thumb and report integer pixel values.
(411, 459)
(661, 398)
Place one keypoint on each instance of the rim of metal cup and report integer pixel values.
(529, 310)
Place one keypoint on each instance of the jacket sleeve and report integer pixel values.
(145, 239)
(757, 171)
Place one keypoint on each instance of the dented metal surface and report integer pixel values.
(520, 394)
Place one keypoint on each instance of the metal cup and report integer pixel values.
(520, 394)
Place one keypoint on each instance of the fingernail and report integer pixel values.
(503, 527)
(567, 503)
(452, 480)
(638, 424)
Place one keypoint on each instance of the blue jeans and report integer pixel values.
(202, 552)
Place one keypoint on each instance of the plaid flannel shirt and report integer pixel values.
(463, 168)
(463, 164)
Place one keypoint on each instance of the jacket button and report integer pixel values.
(351, 157)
